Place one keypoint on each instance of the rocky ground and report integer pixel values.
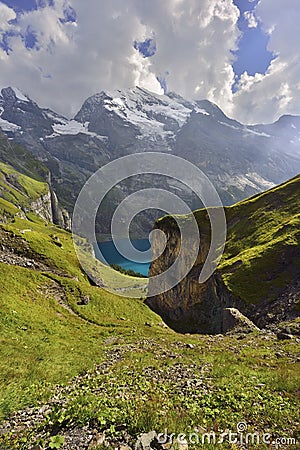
(188, 380)
(185, 379)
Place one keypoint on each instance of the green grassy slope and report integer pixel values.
(262, 253)
(147, 377)
(21, 160)
(19, 189)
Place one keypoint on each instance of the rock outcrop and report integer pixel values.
(60, 216)
(42, 207)
(233, 320)
(39, 198)
(190, 307)
(258, 277)
(48, 208)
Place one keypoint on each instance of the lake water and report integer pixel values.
(112, 256)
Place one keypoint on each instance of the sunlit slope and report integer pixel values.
(52, 320)
(262, 255)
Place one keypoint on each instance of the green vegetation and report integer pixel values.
(155, 380)
(109, 361)
(21, 159)
(18, 189)
(7, 209)
(129, 272)
(42, 341)
(127, 284)
(262, 250)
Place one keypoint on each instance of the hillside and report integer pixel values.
(259, 272)
(20, 194)
(26, 183)
(262, 257)
(21, 159)
(81, 368)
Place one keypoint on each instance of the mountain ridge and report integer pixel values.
(26, 183)
(239, 160)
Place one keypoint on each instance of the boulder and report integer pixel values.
(234, 320)
(144, 441)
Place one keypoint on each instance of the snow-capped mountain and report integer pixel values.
(152, 120)
(240, 160)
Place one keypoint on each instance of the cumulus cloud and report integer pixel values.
(6, 15)
(81, 48)
(250, 17)
(193, 39)
(264, 98)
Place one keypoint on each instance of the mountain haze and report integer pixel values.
(240, 160)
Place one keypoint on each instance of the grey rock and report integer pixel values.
(85, 300)
(234, 320)
(281, 336)
(144, 441)
(97, 440)
(43, 207)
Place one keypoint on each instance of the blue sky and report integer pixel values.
(21, 5)
(29, 37)
(253, 55)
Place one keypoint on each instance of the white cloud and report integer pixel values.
(143, 76)
(264, 98)
(6, 14)
(193, 37)
(194, 40)
(252, 21)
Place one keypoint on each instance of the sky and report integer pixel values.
(240, 54)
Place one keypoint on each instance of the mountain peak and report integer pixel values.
(14, 92)
(211, 108)
(149, 113)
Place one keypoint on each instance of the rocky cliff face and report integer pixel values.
(23, 174)
(190, 307)
(258, 274)
(60, 216)
(48, 209)
(42, 207)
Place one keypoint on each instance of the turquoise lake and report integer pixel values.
(112, 256)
